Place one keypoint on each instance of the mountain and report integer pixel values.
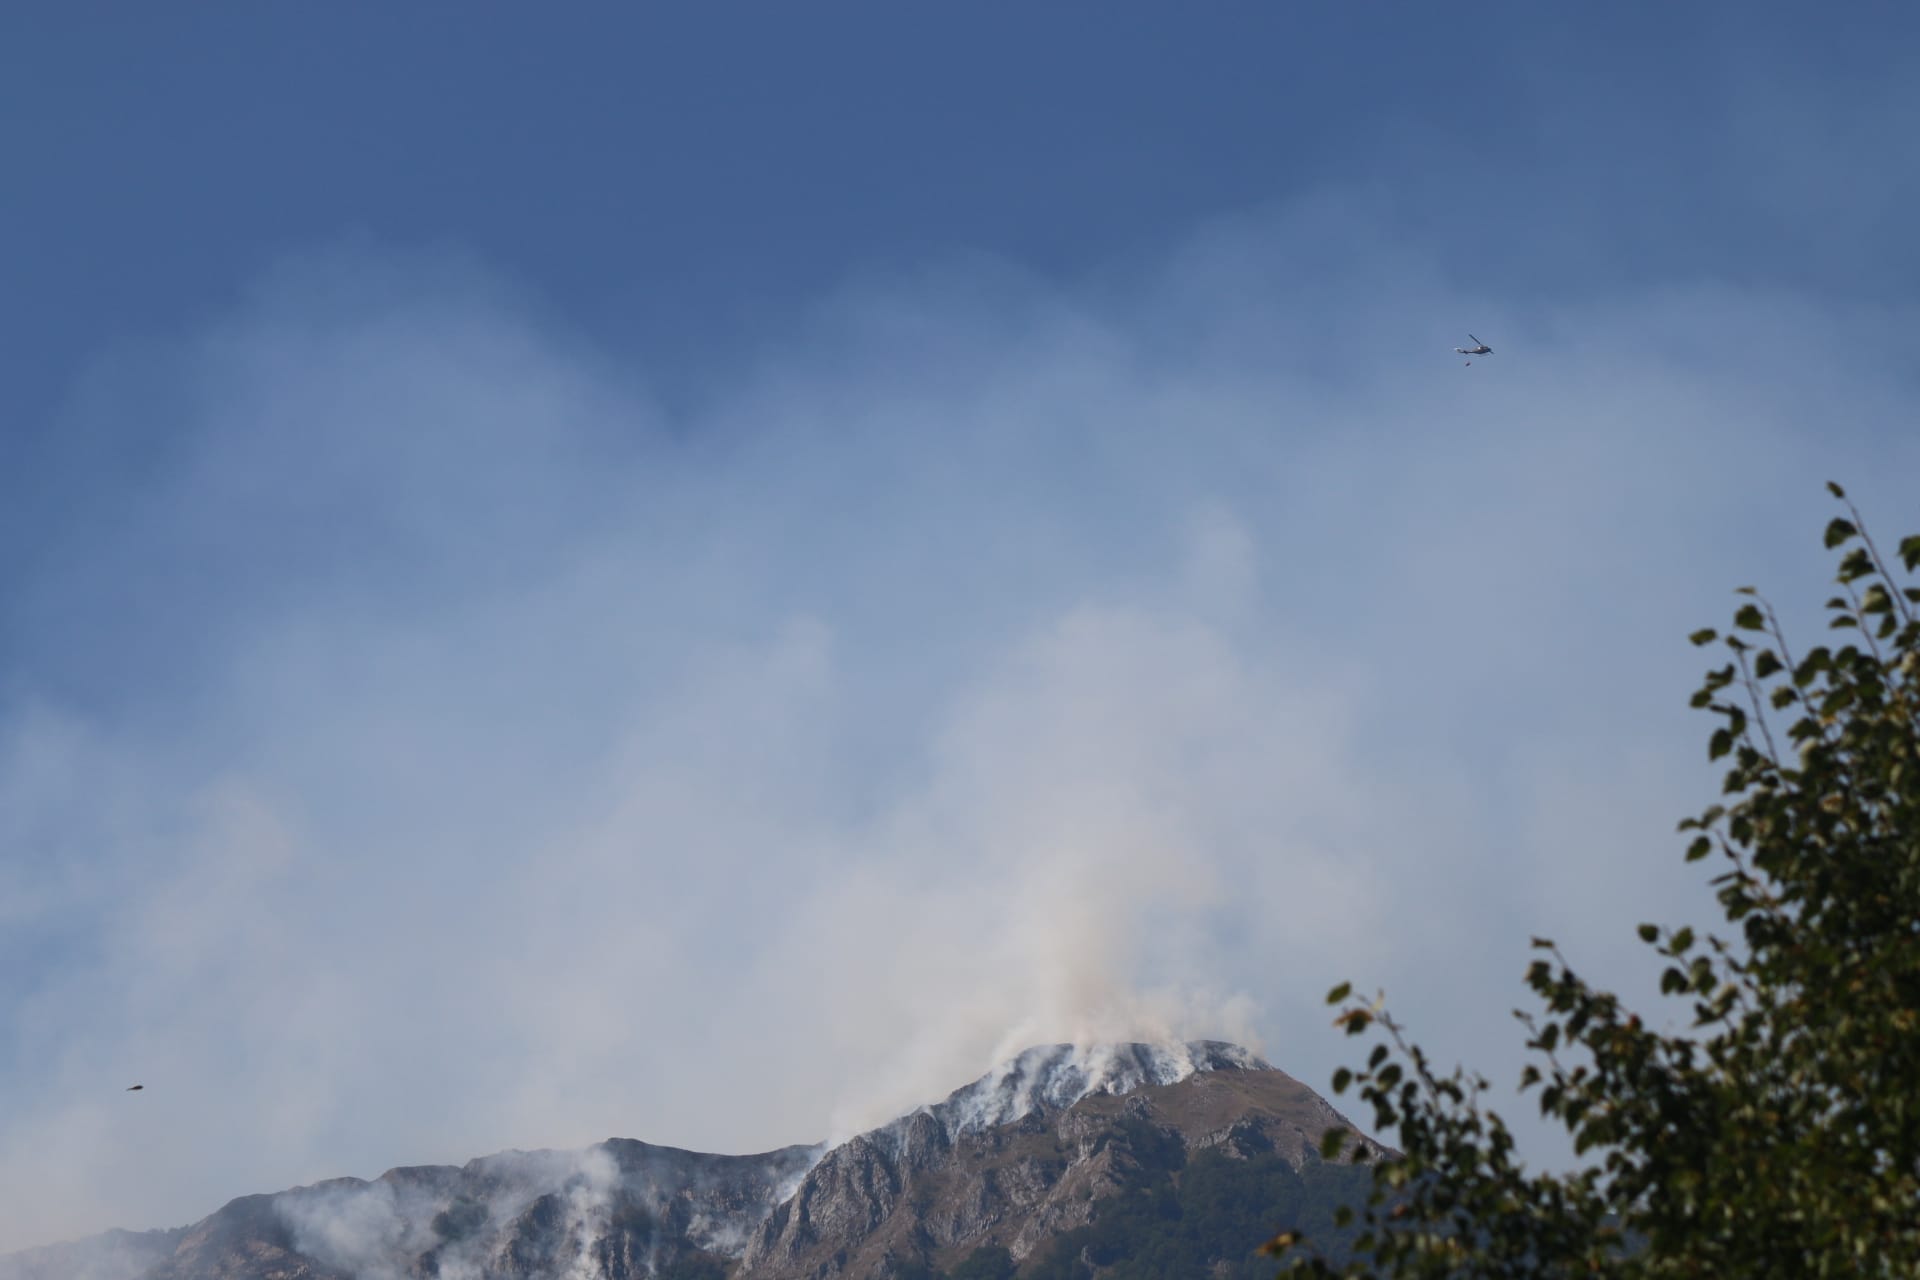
(113, 1255)
(1036, 1152)
(1066, 1161)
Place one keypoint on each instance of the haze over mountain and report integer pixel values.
(557, 555)
(1024, 1168)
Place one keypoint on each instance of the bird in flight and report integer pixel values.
(132, 1088)
(1478, 348)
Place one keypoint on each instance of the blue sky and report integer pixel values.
(699, 575)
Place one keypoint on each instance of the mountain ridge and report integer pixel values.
(1027, 1153)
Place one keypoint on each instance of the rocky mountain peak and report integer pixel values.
(1027, 1154)
(1052, 1077)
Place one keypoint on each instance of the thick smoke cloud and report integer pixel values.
(424, 743)
(378, 1230)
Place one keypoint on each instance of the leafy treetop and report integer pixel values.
(1779, 1134)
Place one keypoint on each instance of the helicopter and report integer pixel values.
(1478, 348)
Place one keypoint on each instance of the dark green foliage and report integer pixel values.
(1150, 1147)
(988, 1262)
(460, 1219)
(1207, 1219)
(1777, 1134)
(629, 1218)
(695, 1266)
(911, 1270)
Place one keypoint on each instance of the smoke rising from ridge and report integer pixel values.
(463, 751)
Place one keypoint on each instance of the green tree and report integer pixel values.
(988, 1262)
(1780, 1134)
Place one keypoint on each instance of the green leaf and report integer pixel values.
(1331, 1141)
(1836, 491)
(1340, 993)
(1705, 635)
(1341, 1079)
(1803, 1014)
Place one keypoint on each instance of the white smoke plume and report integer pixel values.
(378, 1230)
(1054, 1077)
(508, 760)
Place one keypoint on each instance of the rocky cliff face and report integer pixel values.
(1027, 1154)
(1011, 1162)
